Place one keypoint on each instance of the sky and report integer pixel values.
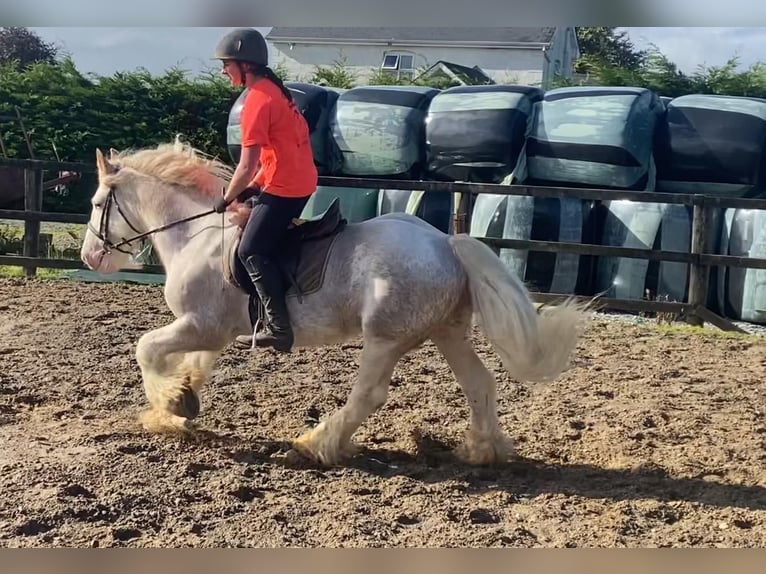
(105, 51)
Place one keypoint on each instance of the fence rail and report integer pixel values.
(699, 259)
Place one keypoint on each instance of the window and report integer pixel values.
(402, 65)
(391, 62)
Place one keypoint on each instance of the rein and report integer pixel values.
(103, 230)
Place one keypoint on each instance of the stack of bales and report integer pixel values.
(477, 134)
(379, 133)
(601, 137)
(716, 145)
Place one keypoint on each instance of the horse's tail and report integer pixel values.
(532, 346)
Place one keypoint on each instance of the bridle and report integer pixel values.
(102, 233)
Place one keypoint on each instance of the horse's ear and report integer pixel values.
(104, 167)
(113, 153)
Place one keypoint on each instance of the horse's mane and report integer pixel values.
(175, 163)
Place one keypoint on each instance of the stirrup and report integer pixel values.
(248, 341)
(244, 341)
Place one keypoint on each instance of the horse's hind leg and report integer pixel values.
(485, 442)
(174, 366)
(330, 440)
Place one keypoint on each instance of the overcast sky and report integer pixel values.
(106, 50)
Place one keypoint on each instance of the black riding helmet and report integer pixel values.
(243, 45)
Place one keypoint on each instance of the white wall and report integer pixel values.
(504, 66)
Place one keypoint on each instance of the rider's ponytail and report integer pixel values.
(269, 74)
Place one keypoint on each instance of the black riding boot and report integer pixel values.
(268, 281)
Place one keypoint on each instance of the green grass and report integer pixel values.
(58, 240)
(11, 271)
(707, 331)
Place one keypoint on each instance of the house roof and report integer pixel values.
(455, 35)
(474, 75)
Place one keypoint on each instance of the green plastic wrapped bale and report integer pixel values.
(641, 225)
(356, 203)
(742, 292)
(568, 220)
(599, 137)
(435, 208)
(713, 144)
(380, 130)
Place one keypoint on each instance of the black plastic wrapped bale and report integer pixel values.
(742, 292)
(380, 130)
(713, 144)
(600, 137)
(435, 208)
(567, 220)
(356, 203)
(477, 133)
(661, 226)
(316, 103)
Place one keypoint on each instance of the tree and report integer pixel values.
(24, 47)
(336, 76)
(601, 45)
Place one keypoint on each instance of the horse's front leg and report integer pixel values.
(176, 361)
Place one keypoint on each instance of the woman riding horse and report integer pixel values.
(276, 165)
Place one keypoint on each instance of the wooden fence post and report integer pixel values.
(33, 201)
(699, 273)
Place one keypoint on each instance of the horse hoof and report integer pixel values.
(296, 459)
(186, 405)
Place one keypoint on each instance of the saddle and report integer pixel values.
(302, 260)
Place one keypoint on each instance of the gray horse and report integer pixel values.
(395, 280)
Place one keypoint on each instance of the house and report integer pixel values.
(455, 74)
(531, 56)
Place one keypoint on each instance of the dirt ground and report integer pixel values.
(653, 438)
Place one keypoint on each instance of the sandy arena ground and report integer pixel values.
(655, 437)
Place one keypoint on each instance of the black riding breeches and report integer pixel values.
(267, 225)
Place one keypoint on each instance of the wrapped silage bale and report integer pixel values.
(580, 137)
(705, 144)
(316, 104)
(435, 208)
(713, 144)
(567, 220)
(380, 130)
(233, 130)
(640, 225)
(477, 133)
(356, 203)
(601, 137)
(742, 292)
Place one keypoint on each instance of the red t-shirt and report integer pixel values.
(287, 161)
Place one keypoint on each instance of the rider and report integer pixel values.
(276, 162)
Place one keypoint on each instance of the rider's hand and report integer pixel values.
(221, 204)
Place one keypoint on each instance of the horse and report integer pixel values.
(394, 280)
